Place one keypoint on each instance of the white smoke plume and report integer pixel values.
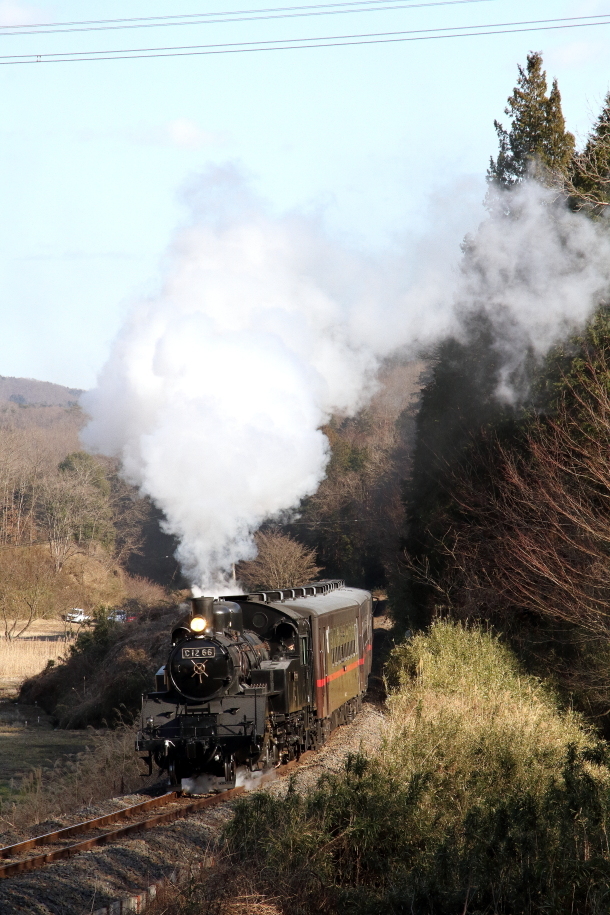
(538, 274)
(215, 390)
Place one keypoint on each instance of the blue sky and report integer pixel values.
(388, 143)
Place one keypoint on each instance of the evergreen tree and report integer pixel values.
(537, 142)
(457, 405)
(600, 135)
(591, 172)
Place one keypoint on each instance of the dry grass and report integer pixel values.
(30, 743)
(216, 888)
(23, 658)
(461, 701)
(40, 628)
(144, 592)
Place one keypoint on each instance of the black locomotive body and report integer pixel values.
(257, 679)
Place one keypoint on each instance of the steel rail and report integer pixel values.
(10, 851)
(185, 808)
(67, 851)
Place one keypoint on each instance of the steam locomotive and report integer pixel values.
(255, 680)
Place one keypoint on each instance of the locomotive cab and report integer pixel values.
(284, 640)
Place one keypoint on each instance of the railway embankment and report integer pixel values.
(107, 668)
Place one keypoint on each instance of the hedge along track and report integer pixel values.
(179, 807)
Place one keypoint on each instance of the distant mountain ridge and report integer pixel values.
(29, 392)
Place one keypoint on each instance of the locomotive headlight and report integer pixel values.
(197, 624)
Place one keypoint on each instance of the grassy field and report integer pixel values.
(46, 772)
(29, 741)
(43, 641)
(23, 658)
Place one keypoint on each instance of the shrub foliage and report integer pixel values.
(484, 799)
(110, 666)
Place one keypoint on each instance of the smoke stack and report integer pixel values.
(203, 607)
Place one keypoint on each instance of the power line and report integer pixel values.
(287, 12)
(501, 28)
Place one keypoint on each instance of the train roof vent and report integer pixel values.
(311, 589)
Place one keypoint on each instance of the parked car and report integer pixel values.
(77, 615)
(122, 616)
(117, 616)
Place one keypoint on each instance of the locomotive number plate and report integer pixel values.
(198, 653)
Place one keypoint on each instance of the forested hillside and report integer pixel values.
(27, 391)
(72, 533)
(354, 520)
(508, 503)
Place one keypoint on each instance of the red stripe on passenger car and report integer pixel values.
(339, 673)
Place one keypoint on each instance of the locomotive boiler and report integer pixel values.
(254, 680)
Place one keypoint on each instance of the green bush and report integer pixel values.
(484, 799)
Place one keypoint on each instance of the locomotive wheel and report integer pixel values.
(230, 771)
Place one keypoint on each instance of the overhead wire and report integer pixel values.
(502, 28)
(190, 19)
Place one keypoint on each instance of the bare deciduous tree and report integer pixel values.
(281, 563)
(534, 534)
(70, 515)
(129, 513)
(587, 186)
(30, 589)
(355, 518)
(21, 466)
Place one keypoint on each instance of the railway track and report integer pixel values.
(35, 853)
